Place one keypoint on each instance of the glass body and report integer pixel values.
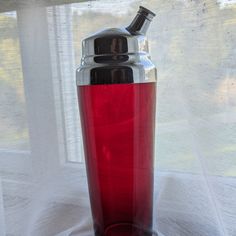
(118, 124)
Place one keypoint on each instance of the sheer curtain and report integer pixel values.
(43, 188)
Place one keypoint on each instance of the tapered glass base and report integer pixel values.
(127, 229)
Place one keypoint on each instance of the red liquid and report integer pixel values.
(118, 122)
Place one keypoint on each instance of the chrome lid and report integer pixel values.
(118, 55)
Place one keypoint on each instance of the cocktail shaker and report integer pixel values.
(116, 85)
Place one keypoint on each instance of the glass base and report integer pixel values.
(127, 229)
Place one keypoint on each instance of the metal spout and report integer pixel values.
(141, 22)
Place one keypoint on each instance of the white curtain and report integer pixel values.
(43, 188)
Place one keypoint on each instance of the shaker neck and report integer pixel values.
(141, 22)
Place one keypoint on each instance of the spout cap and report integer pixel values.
(147, 13)
(141, 21)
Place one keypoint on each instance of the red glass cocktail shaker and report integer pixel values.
(117, 95)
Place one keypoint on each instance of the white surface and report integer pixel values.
(2, 219)
(43, 187)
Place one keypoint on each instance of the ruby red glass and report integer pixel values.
(118, 122)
